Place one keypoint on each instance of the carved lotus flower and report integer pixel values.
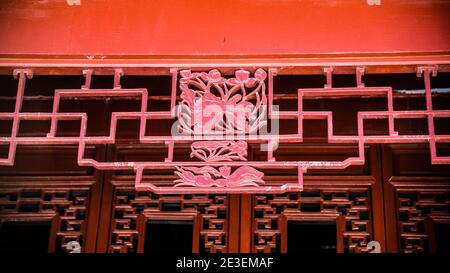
(210, 104)
(212, 76)
(242, 77)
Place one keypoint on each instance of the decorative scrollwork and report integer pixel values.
(207, 176)
(212, 151)
(222, 105)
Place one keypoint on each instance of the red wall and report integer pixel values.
(190, 27)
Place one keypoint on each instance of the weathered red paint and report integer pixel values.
(191, 27)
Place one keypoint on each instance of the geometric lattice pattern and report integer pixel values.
(353, 204)
(70, 204)
(212, 176)
(414, 206)
(128, 204)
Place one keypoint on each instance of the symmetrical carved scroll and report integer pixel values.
(208, 176)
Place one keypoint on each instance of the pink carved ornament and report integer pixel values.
(218, 116)
(219, 105)
(216, 151)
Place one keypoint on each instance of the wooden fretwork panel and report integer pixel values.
(129, 204)
(46, 184)
(352, 203)
(417, 200)
(70, 205)
(415, 207)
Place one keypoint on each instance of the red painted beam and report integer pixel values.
(190, 27)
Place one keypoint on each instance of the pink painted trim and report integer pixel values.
(222, 159)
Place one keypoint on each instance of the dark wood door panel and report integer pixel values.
(70, 201)
(272, 214)
(29, 232)
(408, 160)
(50, 160)
(46, 184)
(348, 204)
(417, 200)
(128, 215)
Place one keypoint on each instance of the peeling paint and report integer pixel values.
(422, 91)
(73, 2)
(374, 2)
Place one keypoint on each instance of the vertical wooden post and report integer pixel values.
(246, 224)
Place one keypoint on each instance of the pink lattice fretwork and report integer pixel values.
(219, 117)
